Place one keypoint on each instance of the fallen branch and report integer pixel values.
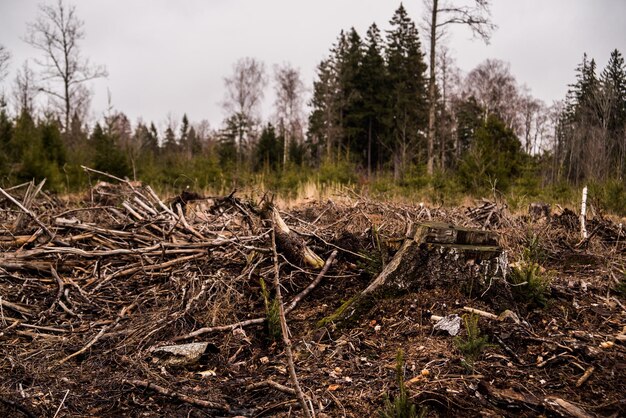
(478, 312)
(28, 212)
(272, 384)
(312, 285)
(206, 330)
(17, 407)
(15, 307)
(99, 335)
(29, 197)
(61, 284)
(177, 395)
(289, 242)
(565, 408)
(285, 331)
(581, 381)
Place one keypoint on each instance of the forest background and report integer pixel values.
(389, 113)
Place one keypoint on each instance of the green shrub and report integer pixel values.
(610, 196)
(473, 344)
(401, 407)
(533, 250)
(341, 172)
(530, 283)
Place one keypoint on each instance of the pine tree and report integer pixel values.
(613, 81)
(153, 139)
(582, 115)
(469, 119)
(193, 143)
(493, 156)
(269, 150)
(183, 140)
(349, 58)
(109, 158)
(324, 127)
(6, 133)
(170, 146)
(26, 148)
(405, 62)
(374, 89)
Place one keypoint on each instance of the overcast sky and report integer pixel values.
(171, 57)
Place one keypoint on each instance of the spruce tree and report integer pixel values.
(405, 62)
(349, 59)
(6, 133)
(613, 81)
(109, 158)
(183, 140)
(324, 128)
(374, 87)
(269, 150)
(170, 146)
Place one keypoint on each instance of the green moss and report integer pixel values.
(338, 314)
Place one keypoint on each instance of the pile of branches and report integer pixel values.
(487, 214)
(124, 271)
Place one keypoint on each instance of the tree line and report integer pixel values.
(376, 110)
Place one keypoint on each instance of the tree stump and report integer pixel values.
(436, 254)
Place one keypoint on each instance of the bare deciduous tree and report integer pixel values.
(5, 57)
(25, 90)
(496, 90)
(244, 93)
(441, 14)
(534, 122)
(289, 113)
(57, 33)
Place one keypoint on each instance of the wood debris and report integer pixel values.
(92, 287)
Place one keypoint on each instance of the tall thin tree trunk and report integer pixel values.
(431, 91)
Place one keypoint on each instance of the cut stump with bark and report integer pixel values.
(436, 254)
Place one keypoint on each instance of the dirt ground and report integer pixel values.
(93, 286)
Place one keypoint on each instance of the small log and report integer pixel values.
(290, 243)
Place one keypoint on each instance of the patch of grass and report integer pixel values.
(473, 344)
(530, 283)
(272, 313)
(401, 407)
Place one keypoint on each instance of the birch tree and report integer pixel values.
(5, 57)
(289, 101)
(244, 93)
